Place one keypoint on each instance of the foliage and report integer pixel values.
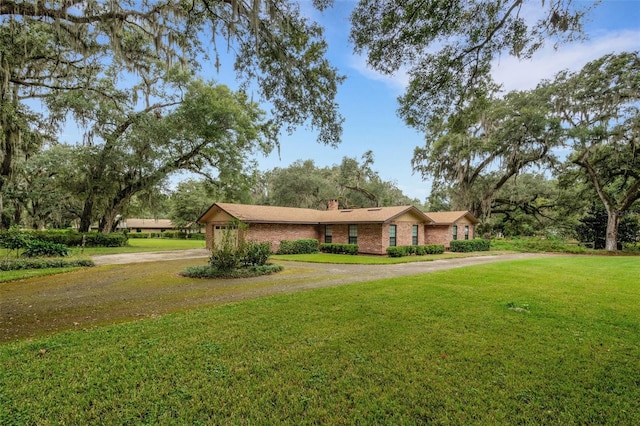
(631, 248)
(599, 107)
(486, 145)
(208, 271)
(548, 244)
(353, 183)
(400, 251)
(42, 263)
(301, 246)
(351, 249)
(256, 253)
(448, 46)
(592, 229)
(466, 246)
(189, 200)
(13, 239)
(73, 238)
(39, 248)
(300, 358)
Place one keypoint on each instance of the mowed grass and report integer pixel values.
(369, 260)
(29, 273)
(544, 341)
(136, 245)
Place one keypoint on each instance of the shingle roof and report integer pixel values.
(147, 223)
(272, 214)
(445, 218)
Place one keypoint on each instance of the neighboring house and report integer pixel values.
(448, 226)
(148, 225)
(372, 229)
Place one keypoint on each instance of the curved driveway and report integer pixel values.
(143, 285)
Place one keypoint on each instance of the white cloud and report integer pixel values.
(398, 82)
(516, 74)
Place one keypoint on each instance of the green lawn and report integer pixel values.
(369, 260)
(552, 341)
(144, 244)
(28, 273)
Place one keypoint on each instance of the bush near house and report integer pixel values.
(400, 251)
(351, 249)
(301, 246)
(466, 246)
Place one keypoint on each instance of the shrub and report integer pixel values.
(72, 238)
(198, 236)
(351, 249)
(14, 239)
(434, 248)
(397, 251)
(256, 254)
(466, 246)
(38, 248)
(42, 263)
(301, 246)
(632, 248)
(207, 271)
(400, 251)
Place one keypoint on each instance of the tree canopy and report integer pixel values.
(447, 46)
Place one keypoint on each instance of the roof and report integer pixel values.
(272, 214)
(147, 223)
(447, 218)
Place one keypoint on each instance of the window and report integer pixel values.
(414, 235)
(328, 234)
(353, 234)
(455, 232)
(466, 232)
(392, 235)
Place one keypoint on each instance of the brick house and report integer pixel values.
(148, 225)
(447, 226)
(372, 229)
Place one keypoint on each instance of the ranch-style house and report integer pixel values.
(372, 229)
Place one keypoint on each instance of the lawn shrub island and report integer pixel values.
(466, 246)
(230, 260)
(301, 246)
(351, 249)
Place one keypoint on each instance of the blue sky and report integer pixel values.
(368, 100)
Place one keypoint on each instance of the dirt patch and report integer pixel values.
(124, 291)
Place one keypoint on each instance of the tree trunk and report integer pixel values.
(611, 239)
(87, 212)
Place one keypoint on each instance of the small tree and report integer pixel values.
(13, 239)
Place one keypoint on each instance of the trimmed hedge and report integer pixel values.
(466, 246)
(19, 264)
(73, 238)
(302, 246)
(400, 251)
(351, 249)
(38, 248)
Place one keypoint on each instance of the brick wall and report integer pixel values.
(438, 234)
(276, 232)
(443, 234)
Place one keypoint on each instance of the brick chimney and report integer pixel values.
(332, 205)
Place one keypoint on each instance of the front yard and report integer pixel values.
(540, 341)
